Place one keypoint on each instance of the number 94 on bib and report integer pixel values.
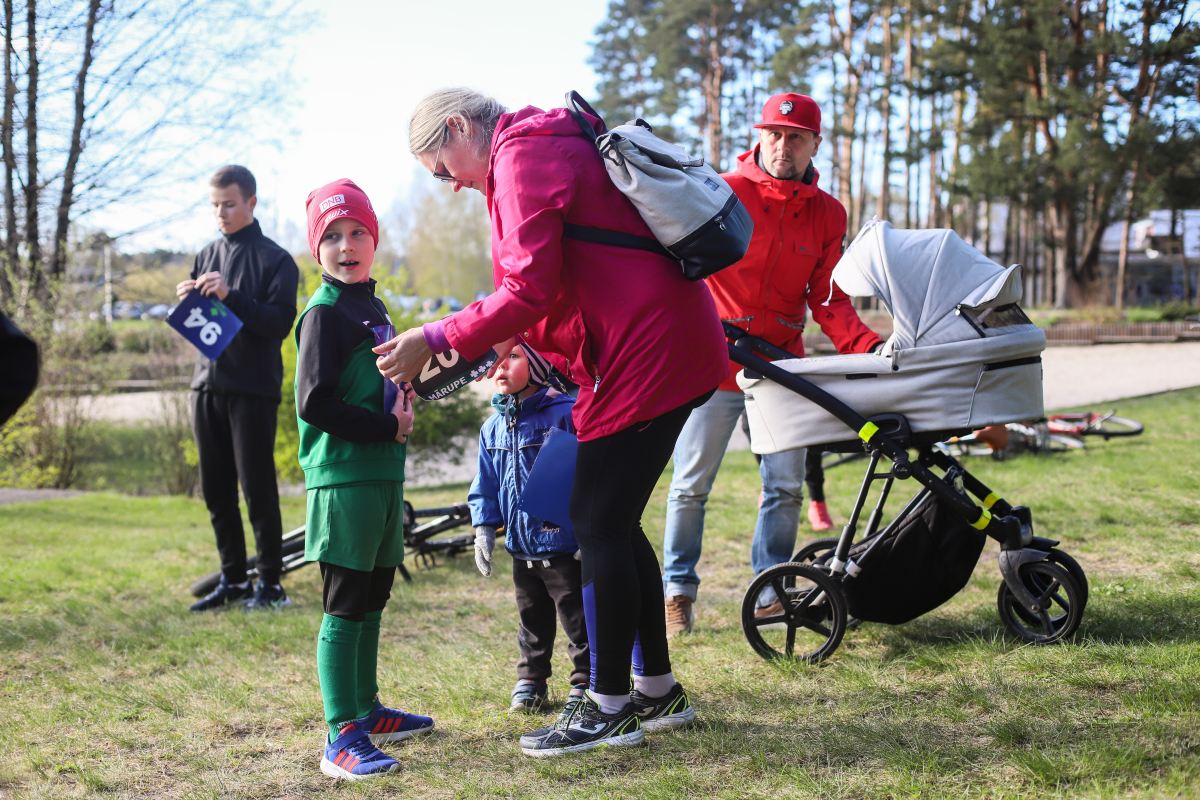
(206, 322)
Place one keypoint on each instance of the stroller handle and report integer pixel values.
(739, 353)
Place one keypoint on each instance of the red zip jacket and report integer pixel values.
(638, 337)
(798, 233)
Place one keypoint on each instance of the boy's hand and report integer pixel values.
(404, 413)
(184, 288)
(403, 357)
(485, 543)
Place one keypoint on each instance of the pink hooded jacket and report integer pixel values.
(638, 337)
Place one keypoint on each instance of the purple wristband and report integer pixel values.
(435, 336)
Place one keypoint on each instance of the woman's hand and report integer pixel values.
(404, 413)
(502, 350)
(403, 356)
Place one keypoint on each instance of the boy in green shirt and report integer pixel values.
(352, 450)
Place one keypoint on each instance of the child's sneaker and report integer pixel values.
(674, 710)
(352, 757)
(528, 696)
(818, 516)
(588, 727)
(267, 598)
(385, 724)
(573, 699)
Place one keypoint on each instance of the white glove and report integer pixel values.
(485, 543)
(579, 555)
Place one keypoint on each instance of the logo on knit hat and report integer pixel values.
(784, 108)
(341, 212)
(336, 200)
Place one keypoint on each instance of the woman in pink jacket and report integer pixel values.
(644, 344)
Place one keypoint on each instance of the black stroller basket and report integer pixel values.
(920, 559)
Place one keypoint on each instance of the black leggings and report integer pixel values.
(622, 583)
(814, 475)
(351, 593)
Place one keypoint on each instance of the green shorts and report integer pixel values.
(358, 526)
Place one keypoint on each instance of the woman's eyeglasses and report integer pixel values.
(444, 177)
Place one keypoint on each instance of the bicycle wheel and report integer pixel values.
(1112, 426)
(1059, 443)
(812, 622)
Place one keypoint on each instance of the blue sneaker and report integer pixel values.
(267, 598)
(385, 724)
(528, 696)
(225, 594)
(352, 757)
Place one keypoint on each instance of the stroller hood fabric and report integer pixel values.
(922, 277)
(962, 355)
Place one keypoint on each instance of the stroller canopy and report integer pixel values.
(922, 277)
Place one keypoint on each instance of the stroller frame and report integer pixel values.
(1035, 573)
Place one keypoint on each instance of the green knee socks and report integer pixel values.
(347, 658)
(368, 663)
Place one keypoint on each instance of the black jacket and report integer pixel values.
(327, 335)
(262, 280)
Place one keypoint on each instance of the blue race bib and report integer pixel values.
(206, 322)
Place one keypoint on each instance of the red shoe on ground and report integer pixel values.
(818, 517)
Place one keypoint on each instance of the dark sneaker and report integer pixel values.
(528, 696)
(352, 757)
(267, 598)
(385, 724)
(224, 595)
(674, 710)
(588, 727)
(573, 699)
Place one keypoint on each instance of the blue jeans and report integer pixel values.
(698, 453)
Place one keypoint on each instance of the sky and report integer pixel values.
(523, 52)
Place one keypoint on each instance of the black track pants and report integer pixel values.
(544, 592)
(235, 437)
(614, 478)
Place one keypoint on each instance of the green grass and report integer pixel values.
(109, 688)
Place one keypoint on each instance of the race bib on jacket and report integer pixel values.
(447, 372)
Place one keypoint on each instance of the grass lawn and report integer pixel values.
(109, 687)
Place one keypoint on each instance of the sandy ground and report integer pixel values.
(1073, 376)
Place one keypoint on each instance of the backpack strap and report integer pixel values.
(630, 241)
(576, 105)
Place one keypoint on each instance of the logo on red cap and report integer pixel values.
(786, 107)
(330, 202)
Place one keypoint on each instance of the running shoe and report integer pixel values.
(588, 727)
(528, 696)
(573, 699)
(385, 724)
(267, 598)
(352, 757)
(224, 595)
(673, 710)
(818, 516)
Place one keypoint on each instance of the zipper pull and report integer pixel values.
(720, 224)
(596, 387)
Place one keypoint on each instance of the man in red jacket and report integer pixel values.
(798, 236)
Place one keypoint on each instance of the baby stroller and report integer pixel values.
(963, 355)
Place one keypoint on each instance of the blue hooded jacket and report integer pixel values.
(497, 488)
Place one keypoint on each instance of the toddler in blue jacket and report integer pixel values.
(546, 570)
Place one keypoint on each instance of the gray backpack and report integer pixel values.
(695, 217)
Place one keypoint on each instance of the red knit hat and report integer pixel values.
(791, 110)
(333, 201)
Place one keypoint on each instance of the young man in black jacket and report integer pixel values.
(236, 397)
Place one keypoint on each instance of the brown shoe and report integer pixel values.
(680, 616)
(773, 610)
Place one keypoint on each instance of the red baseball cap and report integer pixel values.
(335, 200)
(791, 110)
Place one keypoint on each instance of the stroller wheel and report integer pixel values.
(1073, 569)
(811, 622)
(1061, 599)
(813, 550)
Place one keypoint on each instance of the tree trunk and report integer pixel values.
(9, 267)
(885, 112)
(908, 114)
(712, 85)
(860, 202)
(58, 261)
(956, 159)
(37, 277)
(935, 152)
(849, 120)
(1126, 225)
